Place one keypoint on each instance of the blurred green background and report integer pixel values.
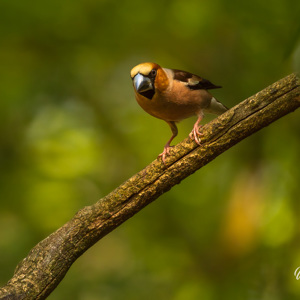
(71, 131)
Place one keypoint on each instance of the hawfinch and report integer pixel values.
(174, 95)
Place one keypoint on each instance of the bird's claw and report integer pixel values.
(165, 153)
(195, 133)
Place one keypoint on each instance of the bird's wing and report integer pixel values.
(192, 81)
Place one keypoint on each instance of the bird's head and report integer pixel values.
(144, 77)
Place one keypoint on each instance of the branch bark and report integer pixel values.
(47, 263)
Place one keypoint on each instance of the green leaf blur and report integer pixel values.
(71, 131)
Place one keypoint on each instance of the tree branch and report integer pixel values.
(48, 262)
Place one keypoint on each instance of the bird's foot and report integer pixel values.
(165, 153)
(195, 133)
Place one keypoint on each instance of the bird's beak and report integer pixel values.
(142, 83)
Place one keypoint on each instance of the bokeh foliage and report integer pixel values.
(71, 131)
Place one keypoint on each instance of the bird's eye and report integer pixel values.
(153, 73)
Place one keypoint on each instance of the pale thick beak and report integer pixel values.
(142, 83)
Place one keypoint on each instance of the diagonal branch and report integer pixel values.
(48, 262)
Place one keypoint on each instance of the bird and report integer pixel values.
(173, 95)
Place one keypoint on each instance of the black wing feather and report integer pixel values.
(194, 82)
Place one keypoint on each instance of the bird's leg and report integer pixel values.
(194, 135)
(167, 146)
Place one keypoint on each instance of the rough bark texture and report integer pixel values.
(48, 262)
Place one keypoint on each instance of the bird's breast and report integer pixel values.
(175, 105)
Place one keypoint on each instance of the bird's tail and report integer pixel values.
(216, 107)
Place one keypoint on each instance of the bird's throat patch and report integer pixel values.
(148, 94)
